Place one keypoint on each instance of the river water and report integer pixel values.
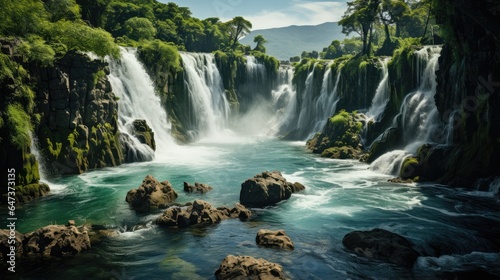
(341, 196)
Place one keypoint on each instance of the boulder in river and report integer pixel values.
(200, 213)
(48, 241)
(151, 194)
(266, 189)
(274, 239)
(382, 245)
(245, 267)
(197, 188)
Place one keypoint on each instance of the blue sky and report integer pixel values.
(267, 13)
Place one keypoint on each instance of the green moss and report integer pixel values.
(19, 125)
(97, 76)
(409, 168)
(54, 151)
(340, 118)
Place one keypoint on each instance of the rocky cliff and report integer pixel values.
(467, 96)
(69, 107)
(78, 111)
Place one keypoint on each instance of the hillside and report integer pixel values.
(285, 42)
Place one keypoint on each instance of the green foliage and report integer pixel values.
(62, 9)
(19, 125)
(333, 51)
(237, 28)
(164, 56)
(36, 50)
(260, 41)
(139, 29)
(22, 17)
(81, 37)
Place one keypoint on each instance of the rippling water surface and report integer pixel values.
(341, 196)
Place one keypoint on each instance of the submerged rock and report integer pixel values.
(382, 245)
(197, 188)
(266, 189)
(151, 194)
(200, 213)
(274, 239)
(245, 267)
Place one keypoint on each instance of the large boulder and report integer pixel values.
(382, 245)
(200, 213)
(197, 188)
(274, 239)
(340, 137)
(57, 241)
(245, 267)
(49, 241)
(151, 194)
(266, 189)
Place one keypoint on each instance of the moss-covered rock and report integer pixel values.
(340, 137)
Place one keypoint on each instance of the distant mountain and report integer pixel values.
(285, 42)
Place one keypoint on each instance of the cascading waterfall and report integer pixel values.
(138, 100)
(381, 97)
(256, 72)
(284, 101)
(314, 109)
(208, 103)
(327, 101)
(418, 114)
(307, 113)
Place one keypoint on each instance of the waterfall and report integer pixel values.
(256, 72)
(138, 100)
(208, 103)
(327, 101)
(315, 109)
(418, 113)
(382, 94)
(284, 102)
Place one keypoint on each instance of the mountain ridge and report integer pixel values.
(285, 42)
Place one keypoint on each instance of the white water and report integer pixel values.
(138, 100)
(327, 101)
(284, 102)
(418, 113)
(256, 72)
(382, 94)
(209, 106)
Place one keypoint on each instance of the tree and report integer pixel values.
(238, 27)
(333, 51)
(360, 17)
(392, 12)
(139, 28)
(260, 40)
(62, 9)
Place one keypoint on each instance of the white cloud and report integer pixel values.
(299, 13)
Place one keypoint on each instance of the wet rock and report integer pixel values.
(57, 241)
(197, 188)
(266, 189)
(5, 246)
(382, 245)
(200, 213)
(151, 195)
(245, 267)
(144, 133)
(274, 239)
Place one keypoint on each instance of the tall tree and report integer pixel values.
(238, 27)
(260, 40)
(360, 17)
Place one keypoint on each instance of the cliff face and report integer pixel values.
(467, 96)
(78, 128)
